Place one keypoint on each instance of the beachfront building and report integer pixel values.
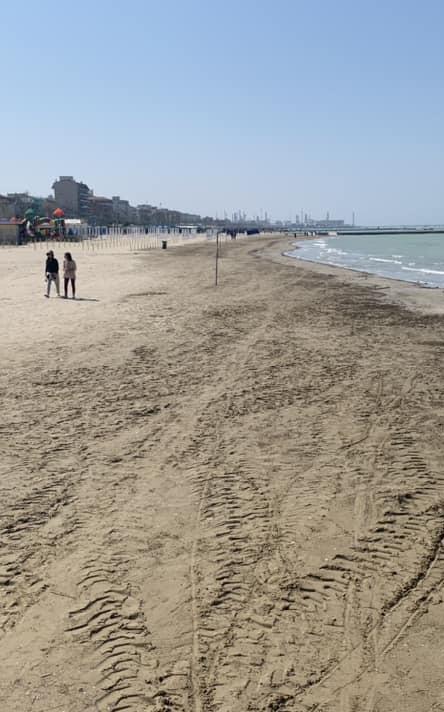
(16, 204)
(146, 214)
(121, 210)
(150, 215)
(21, 202)
(72, 196)
(101, 211)
(6, 208)
(49, 204)
(133, 215)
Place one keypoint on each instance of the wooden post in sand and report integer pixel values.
(217, 257)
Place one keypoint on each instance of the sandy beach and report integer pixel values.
(220, 499)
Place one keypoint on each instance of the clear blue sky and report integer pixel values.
(204, 106)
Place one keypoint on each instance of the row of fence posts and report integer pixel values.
(117, 235)
(135, 241)
(115, 240)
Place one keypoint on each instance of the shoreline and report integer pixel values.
(414, 282)
(405, 293)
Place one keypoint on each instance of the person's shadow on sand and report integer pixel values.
(83, 299)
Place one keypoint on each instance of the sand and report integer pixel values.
(220, 500)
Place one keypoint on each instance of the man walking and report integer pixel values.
(52, 273)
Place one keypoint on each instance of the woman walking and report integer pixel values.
(69, 273)
(51, 273)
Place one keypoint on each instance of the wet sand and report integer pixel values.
(220, 500)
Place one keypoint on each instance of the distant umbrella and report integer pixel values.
(58, 213)
(29, 214)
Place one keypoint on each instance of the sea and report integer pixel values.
(415, 258)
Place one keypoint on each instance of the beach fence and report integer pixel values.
(124, 239)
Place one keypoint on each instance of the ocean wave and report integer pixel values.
(336, 264)
(335, 251)
(381, 259)
(423, 270)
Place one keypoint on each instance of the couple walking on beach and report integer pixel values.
(52, 274)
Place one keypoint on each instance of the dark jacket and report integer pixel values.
(52, 266)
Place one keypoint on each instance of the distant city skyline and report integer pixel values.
(79, 200)
(211, 107)
(260, 214)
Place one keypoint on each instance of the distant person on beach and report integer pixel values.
(52, 273)
(69, 274)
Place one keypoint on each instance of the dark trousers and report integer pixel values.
(73, 286)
